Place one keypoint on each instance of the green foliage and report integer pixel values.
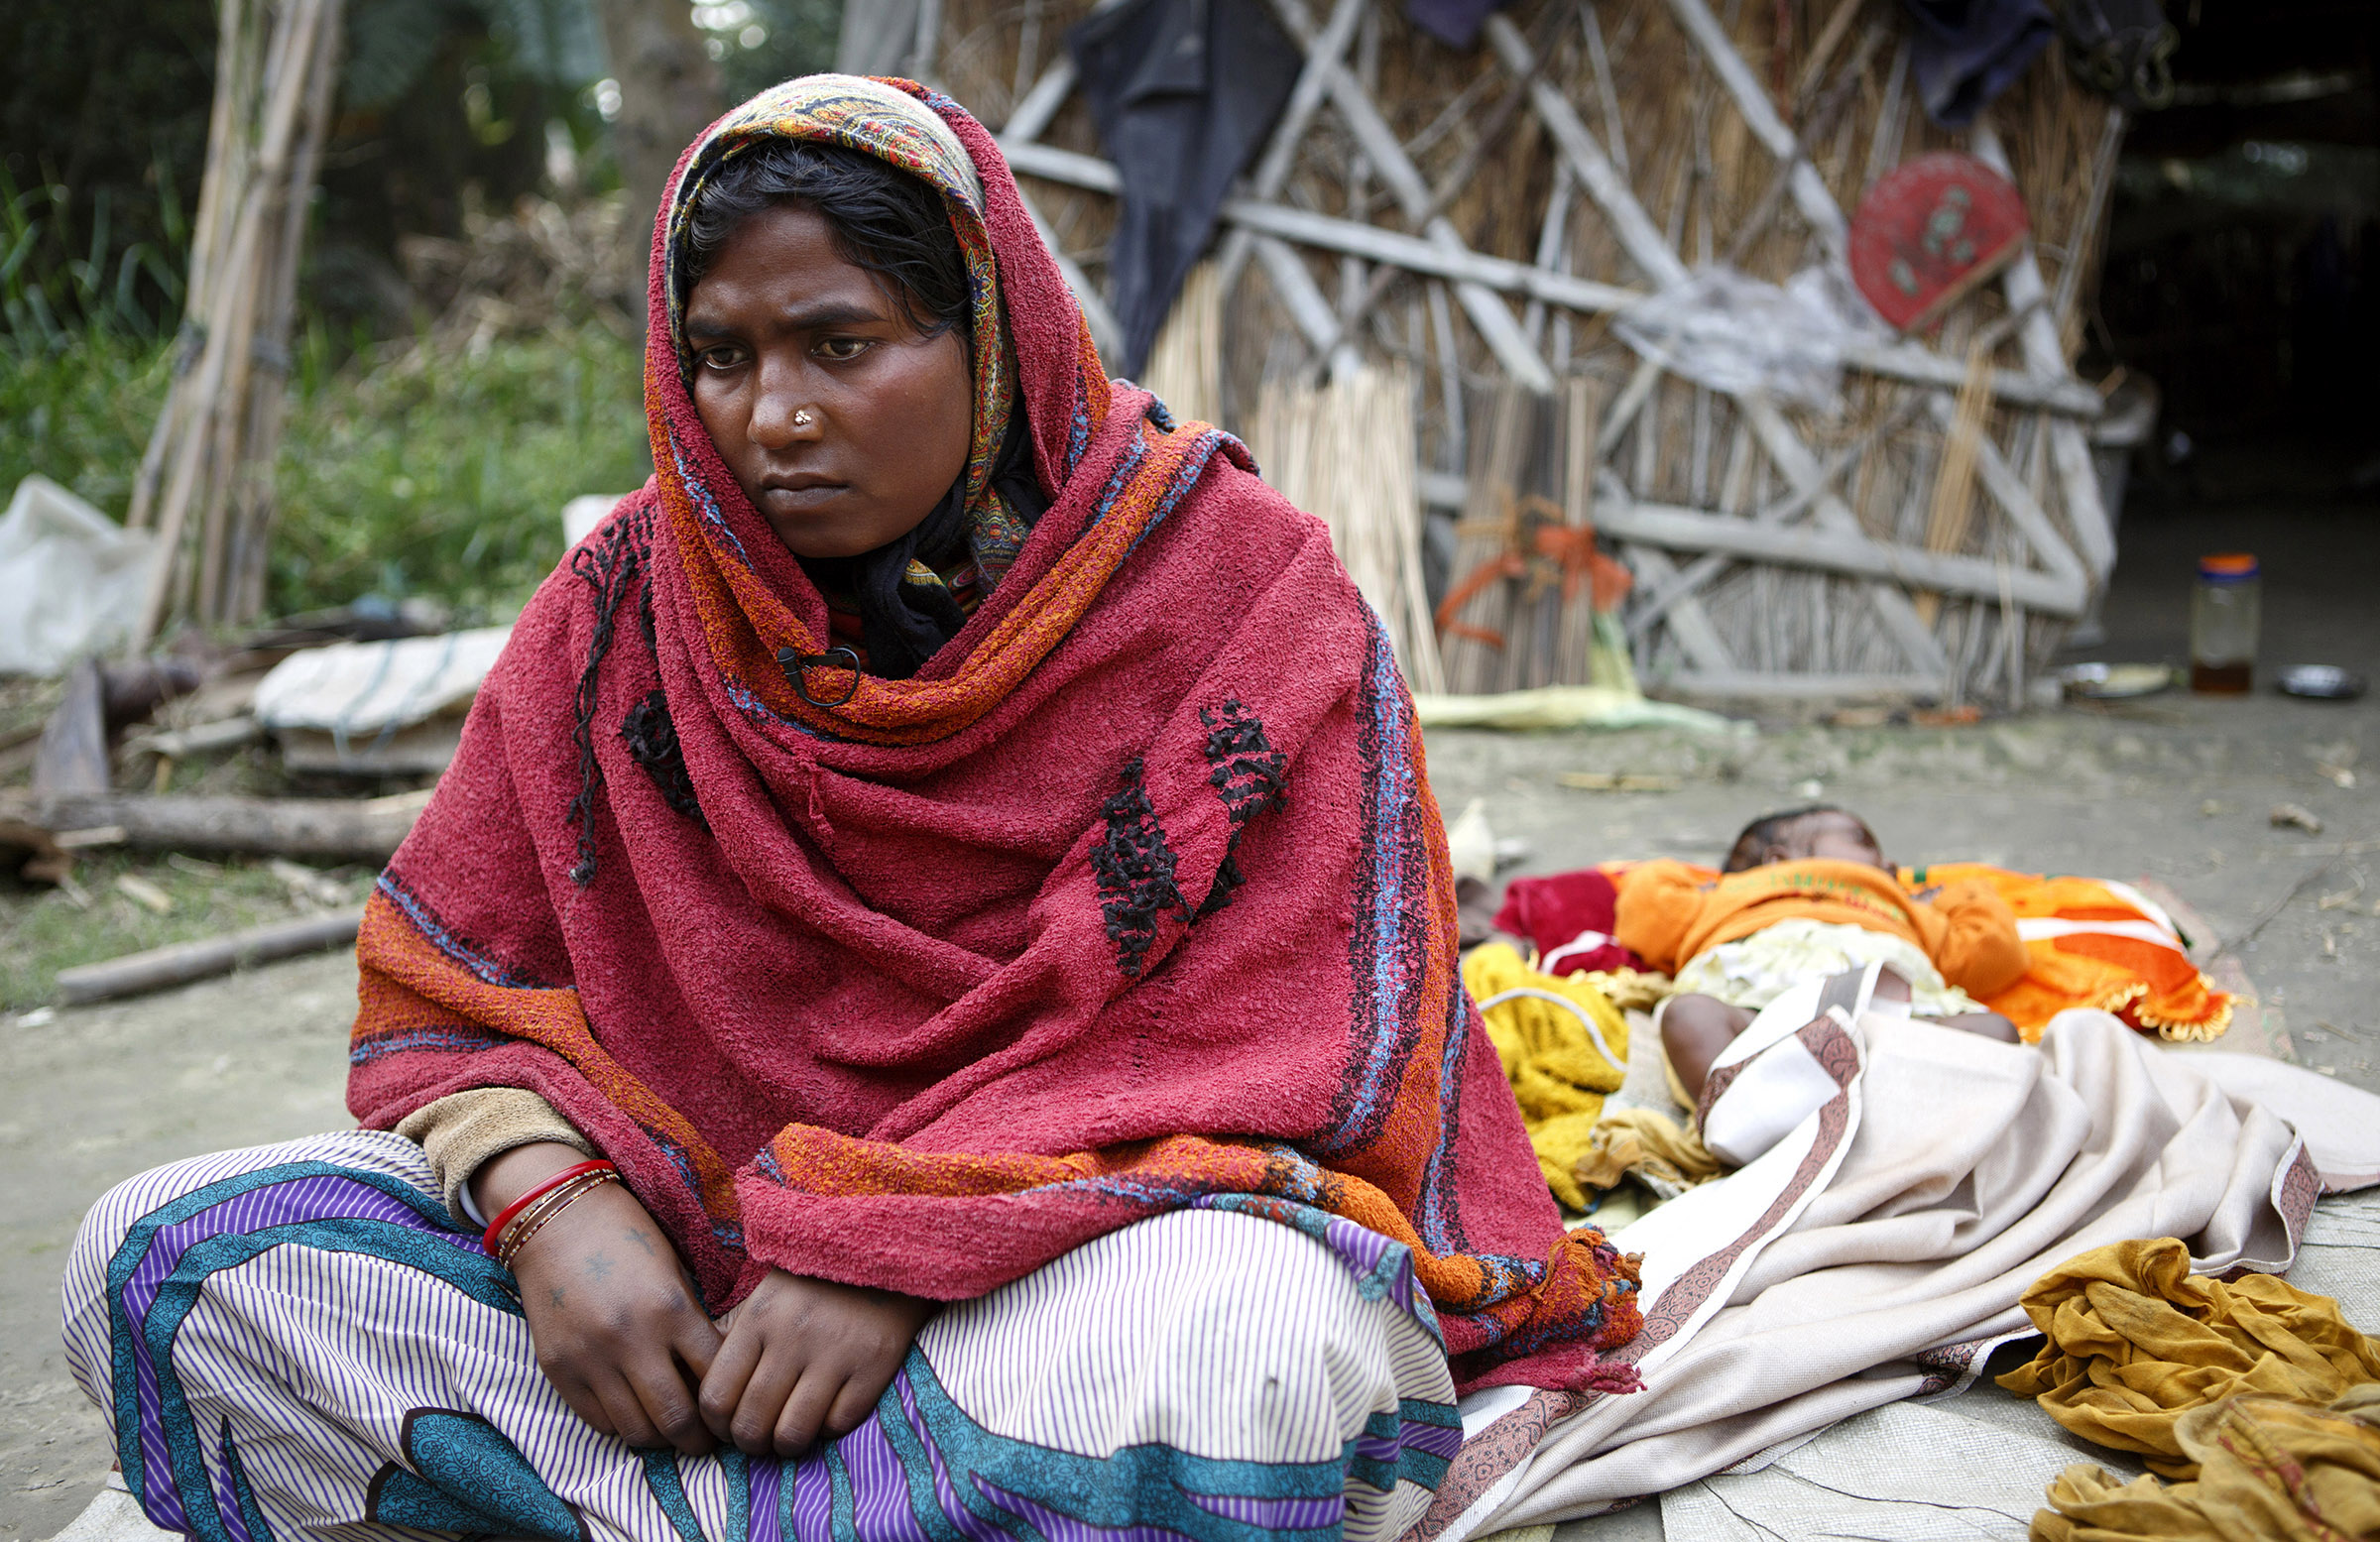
(444, 472)
(80, 414)
(102, 141)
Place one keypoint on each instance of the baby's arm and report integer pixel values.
(1658, 904)
(1975, 947)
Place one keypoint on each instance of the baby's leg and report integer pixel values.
(1694, 1029)
(1988, 1024)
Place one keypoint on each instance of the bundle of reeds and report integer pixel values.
(1342, 452)
(206, 481)
(1185, 367)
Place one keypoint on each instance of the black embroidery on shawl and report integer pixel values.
(608, 566)
(651, 740)
(1246, 773)
(1134, 866)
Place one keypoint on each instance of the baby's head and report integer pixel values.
(1797, 834)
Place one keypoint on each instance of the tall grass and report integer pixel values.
(57, 281)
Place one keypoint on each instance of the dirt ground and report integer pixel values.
(2178, 790)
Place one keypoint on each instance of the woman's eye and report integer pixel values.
(721, 358)
(842, 349)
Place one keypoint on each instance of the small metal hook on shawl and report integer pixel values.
(797, 664)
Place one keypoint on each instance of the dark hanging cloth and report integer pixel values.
(1455, 23)
(1183, 92)
(1965, 53)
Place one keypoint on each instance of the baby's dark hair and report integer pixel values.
(883, 219)
(1769, 829)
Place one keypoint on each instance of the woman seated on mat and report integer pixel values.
(934, 966)
(1806, 894)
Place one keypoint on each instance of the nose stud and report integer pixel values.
(802, 418)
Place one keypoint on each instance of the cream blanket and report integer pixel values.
(1915, 1180)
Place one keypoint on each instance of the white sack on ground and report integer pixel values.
(70, 579)
(1878, 1251)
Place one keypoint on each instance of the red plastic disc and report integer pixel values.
(1930, 231)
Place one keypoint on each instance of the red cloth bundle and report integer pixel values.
(1569, 917)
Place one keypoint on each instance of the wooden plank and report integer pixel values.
(1759, 683)
(1689, 624)
(1300, 296)
(2069, 450)
(1419, 256)
(1032, 115)
(1834, 551)
(369, 828)
(1801, 469)
(1633, 228)
(72, 754)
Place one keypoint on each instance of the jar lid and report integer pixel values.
(2229, 567)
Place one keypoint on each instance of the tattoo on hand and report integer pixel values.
(642, 1238)
(557, 1295)
(599, 1266)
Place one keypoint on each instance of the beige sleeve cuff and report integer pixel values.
(463, 1129)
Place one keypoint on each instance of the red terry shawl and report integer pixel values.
(1133, 899)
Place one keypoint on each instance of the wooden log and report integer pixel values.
(1832, 550)
(366, 829)
(180, 963)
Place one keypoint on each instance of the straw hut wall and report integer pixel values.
(1475, 222)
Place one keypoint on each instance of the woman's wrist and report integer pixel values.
(506, 1176)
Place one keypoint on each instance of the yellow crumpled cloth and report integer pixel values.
(2136, 1341)
(2270, 1469)
(1648, 1145)
(1558, 1074)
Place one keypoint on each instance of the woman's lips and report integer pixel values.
(802, 494)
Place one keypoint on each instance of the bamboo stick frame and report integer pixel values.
(1794, 497)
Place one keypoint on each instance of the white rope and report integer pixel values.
(1593, 1032)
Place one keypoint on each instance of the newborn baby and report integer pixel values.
(1808, 893)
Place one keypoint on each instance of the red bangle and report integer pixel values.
(494, 1232)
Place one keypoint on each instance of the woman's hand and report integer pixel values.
(619, 1329)
(806, 1356)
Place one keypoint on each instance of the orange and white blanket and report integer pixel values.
(2094, 942)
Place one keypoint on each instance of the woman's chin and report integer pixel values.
(819, 539)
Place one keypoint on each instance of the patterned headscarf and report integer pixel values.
(892, 126)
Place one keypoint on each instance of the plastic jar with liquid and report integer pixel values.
(2224, 618)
